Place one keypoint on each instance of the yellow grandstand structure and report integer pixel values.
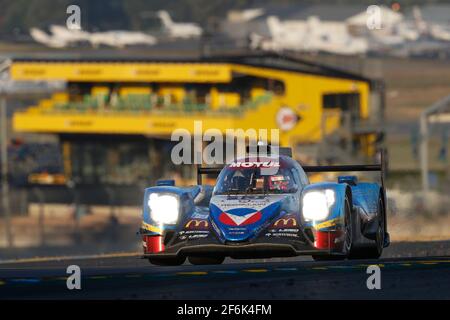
(132, 106)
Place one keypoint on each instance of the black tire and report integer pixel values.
(206, 260)
(349, 232)
(167, 261)
(375, 251)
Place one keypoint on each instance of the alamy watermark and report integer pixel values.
(73, 282)
(213, 147)
(73, 22)
(374, 21)
(374, 280)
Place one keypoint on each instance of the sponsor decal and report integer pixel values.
(194, 229)
(197, 224)
(256, 164)
(288, 221)
(201, 216)
(287, 226)
(327, 224)
(215, 227)
(236, 233)
(256, 203)
(235, 220)
(151, 228)
(276, 234)
(197, 236)
(193, 234)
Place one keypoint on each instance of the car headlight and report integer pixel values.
(164, 208)
(317, 204)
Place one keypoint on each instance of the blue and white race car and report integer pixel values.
(265, 207)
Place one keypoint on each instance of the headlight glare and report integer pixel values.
(164, 208)
(317, 204)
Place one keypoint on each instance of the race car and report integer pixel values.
(264, 207)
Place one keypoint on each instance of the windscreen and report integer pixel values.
(252, 179)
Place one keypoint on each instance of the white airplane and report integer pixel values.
(399, 34)
(61, 37)
(120, 39)
(333, 37)
(440, 32)
(42, 37)
(310, 35)
(411, 35)
(420, 23)
(287, 35)
(245, 15)
(407, 31)
(393, 31)
(68, 35)
(436, 31)
(420, 27)
(179, 30)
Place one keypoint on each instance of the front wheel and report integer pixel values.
(375, 250)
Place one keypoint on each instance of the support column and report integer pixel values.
(4, 161)
(424, 154)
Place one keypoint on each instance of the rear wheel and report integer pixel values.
(167, 261)
(206, 260)
(348, 243)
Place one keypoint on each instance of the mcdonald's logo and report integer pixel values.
(197, 224)
(286, 222)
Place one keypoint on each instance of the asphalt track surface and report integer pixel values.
(129, 277)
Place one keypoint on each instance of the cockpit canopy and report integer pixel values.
(261, 176)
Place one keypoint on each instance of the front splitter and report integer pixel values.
(244, 251)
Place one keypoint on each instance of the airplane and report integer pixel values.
(435, 31)
(312, 35)
(179, 30)
(440, 32)
(245, 15)
(120, 39)
(50, 41)
(415, 37)
(61, 37)
(401, 33)
(398, 35)
(68, 35)
(393, 31)
(428, 29)
(407, 31)
(283, 36)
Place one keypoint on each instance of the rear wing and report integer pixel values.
(339, 168)
(207, 170)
